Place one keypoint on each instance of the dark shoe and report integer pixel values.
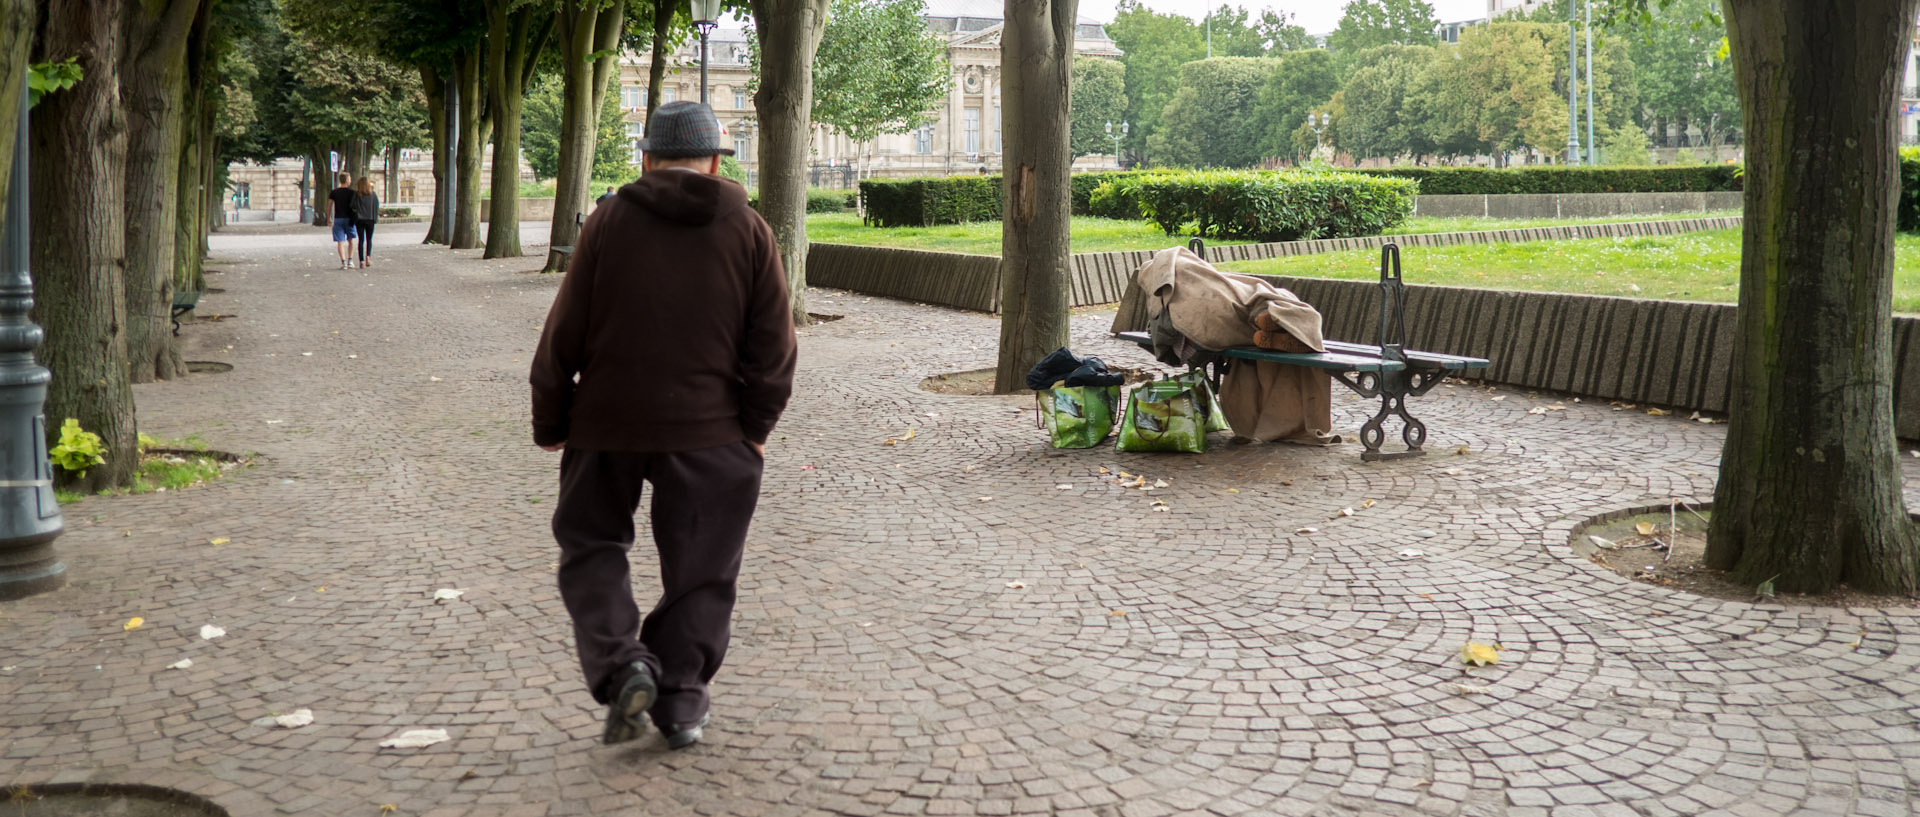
(682, 735)
(627, 715)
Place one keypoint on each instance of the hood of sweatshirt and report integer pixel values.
(685, 196)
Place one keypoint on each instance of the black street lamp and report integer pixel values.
(706, 15)
(29, 513)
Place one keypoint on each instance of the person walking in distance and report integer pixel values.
(366, 213)
(674, 318)
(603, 197)
(340, 209)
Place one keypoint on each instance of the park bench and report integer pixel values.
(1386, 369)
(184, 300)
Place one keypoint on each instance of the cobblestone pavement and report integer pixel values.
(966, 622)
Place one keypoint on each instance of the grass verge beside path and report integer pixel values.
(1112, 235)
(1691, 267)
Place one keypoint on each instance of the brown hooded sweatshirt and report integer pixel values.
(674, 316)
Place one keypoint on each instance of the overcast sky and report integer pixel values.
(1316, 16)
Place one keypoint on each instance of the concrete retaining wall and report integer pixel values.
(1573, 205)
(531, 209)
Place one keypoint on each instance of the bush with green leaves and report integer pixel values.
(1483, 181)
(928, 201)
(78, 450)
(819, 200)
(1273, 206)
(1909, 210)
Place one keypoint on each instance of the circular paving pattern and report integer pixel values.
(932, 626)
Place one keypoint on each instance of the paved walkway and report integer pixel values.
(932, 627)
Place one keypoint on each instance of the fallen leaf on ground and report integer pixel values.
(1500, 398)
(1463, 450)
(1286, 482)
(1160, 483)
(181, 664)
(1479, 655)
(1643, 528)
(133, 623)
(1160, 509)
(388, 808)
(433, 380)
(1427, 596)
(1345, 512)
(1765, 589)
(1537, 410)
(1016, 585)
(985, 499)
(1121, 613)
(1367, 504)
(1064, 487)
(1601, 542)
(1412, 553)
(415, 739)
(1233, 490)
(218, 541)
(209, 632)
(1104, 471)
(1464, 689)
(1658, 412)
(448, 594)
(1308, 530)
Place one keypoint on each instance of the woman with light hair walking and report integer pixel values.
(366, 213)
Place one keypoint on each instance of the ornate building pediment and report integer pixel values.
(985, 38)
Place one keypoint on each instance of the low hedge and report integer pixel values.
(818, 200)
(958, 199)
(1483, 181)
(1268, 206)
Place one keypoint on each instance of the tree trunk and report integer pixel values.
(153, 86)
(322, 181)
(1810, 486)
(583, 31)
(1036, 55)
(78, 156)
(515, 38)
(196, 124)
(789, 32)
(662, 29)
(392, 193)
(435, 87)
(474, 126)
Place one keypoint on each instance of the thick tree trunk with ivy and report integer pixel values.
(79, 154)
(196, 126)
(515, 38)
(789, 32)
(152, 89)
(473, 126)
(587, 28)
(435, 89)
(1810, 487)
(1036, 58)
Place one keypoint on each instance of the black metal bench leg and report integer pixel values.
(1393, 403)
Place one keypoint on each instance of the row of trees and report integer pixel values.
(1392, 90)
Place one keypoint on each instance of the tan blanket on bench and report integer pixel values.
(1262, 400)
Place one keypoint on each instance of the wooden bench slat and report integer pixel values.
(1437, 359)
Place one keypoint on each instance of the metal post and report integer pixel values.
(704, 27)
(1573, 86)
(453, 154)
(29, 513)
(1593, 148)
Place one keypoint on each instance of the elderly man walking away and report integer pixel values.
(673, 316)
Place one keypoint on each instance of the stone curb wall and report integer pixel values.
(1572, 205)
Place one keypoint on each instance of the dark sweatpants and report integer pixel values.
(365, 229)
(702, 503)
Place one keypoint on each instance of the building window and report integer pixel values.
(739, 100)
(409, 191)
(633, 97)
(923, 139)
(740, 146)
(973, 131)
(993, 139)
(672, 94)
(635, 131)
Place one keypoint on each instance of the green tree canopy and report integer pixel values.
(1099, 97)
(1297, 83)
(1280, 33)
(1371, 23)
(540, 132)
(1677, 69)
(1207, 123)
(1154, 46)
(1377, 119)
(878, 69)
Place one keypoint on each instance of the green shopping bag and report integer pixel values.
(1216, 419)
(1166, 415)
(1078, 416)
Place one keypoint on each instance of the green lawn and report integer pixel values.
(1692, 267)
(1109, 235)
